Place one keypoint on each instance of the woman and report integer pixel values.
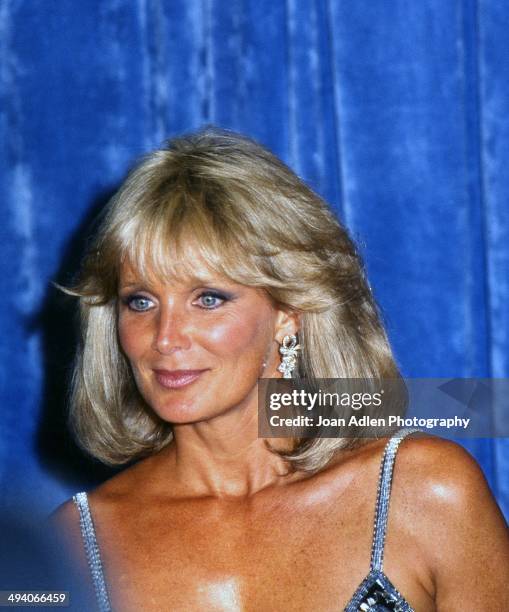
(212, 257)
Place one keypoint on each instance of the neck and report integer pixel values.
(224, 457)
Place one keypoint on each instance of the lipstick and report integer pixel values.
(175, 379)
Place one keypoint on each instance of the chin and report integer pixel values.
(179, 412)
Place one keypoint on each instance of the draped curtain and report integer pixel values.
(394, 111)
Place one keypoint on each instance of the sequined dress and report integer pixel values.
(376, 593)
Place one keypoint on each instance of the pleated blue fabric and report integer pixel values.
(396, 112)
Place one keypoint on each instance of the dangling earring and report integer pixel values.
(288, 350)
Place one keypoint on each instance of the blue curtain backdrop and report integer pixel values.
(395, 111)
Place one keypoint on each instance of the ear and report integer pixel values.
(287, 324)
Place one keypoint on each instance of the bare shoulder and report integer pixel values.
(64, 522)
(123, 490)
(441, 472)
(445, 479)
(428, 468)
(462, 532)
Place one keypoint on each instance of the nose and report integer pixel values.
(171, 333)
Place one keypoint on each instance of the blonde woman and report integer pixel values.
(211, 256)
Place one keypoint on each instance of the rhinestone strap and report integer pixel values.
(383, 496)
(92, 552)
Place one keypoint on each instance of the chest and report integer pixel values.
(220, 556)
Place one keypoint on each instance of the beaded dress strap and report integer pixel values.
(92, 552)
(383, 496)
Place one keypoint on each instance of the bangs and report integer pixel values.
(185, 240)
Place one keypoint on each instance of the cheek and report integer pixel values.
(240, 336)
(130, 337)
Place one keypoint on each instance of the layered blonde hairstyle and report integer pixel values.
(221, 198)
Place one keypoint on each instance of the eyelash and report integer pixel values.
(130, 299)
(214, 294)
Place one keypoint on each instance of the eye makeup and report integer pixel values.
(138, 302)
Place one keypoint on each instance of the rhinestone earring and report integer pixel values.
(288, 350)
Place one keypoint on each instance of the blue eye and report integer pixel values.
(139, 303)
(211, 299)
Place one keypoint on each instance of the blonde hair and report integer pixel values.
(221, 197)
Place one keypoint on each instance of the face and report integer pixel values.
(197, 346)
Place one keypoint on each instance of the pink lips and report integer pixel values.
(174, 379)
